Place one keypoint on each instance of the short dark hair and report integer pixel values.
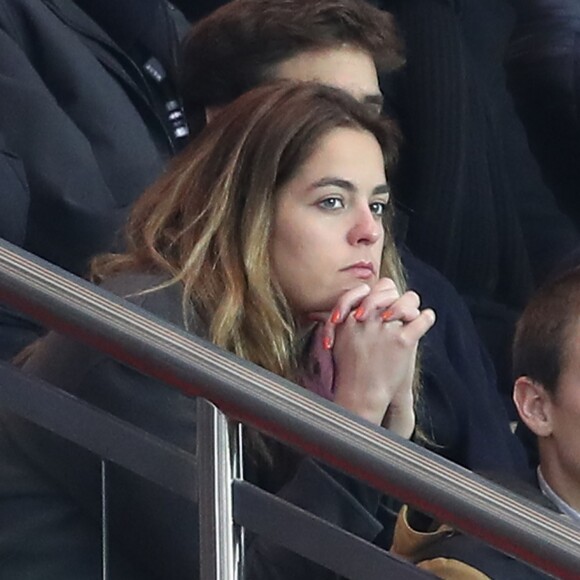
(236, 47)
(541, 345)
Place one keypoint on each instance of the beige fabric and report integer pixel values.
(407, 542)
(450, 569)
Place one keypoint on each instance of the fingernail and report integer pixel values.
(327, 343)
(387, 315)
(335, 317)
(359, 313)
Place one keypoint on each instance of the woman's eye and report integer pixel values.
(378, 208)
(331, 203)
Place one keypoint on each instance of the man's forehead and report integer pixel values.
(348, 68)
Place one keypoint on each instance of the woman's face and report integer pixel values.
(328, 233)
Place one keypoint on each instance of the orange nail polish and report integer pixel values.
(327, 343)
(335, 316)
(387, 315)
(359, 313)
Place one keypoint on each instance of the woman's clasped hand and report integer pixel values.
(373, 333)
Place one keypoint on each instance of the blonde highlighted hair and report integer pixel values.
(207, 221)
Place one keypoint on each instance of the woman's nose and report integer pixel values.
(366, 229)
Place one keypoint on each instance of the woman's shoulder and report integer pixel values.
(152, 291)
(135, 285)
(64, 361)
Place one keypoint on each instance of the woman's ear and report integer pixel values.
(534, 405)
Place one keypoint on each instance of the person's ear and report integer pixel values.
(533, 403)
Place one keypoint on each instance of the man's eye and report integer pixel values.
(331, 203)
(378, 208)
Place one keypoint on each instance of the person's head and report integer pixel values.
(546, 358)
(264, 215)
(340, 43)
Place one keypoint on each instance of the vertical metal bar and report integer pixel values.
(216, 533)
(238, 473)
(104, 523)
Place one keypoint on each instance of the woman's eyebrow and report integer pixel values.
(382, 190)
(348, 185)
(335, 182)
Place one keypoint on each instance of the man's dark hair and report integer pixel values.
(237, 47)
(542, 341)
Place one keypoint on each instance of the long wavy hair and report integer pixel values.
(207, 222)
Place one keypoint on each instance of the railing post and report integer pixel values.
(104, 523)
(220, 545)
(238, 473)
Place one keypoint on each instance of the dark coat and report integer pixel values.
(53, 486)
(543, 65)
(480, 212)
(16, 330)
(459, 380)
(83, 127)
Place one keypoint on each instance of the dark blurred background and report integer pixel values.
(196, 9)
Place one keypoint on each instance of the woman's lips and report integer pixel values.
(362, 270)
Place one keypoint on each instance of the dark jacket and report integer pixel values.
(480, 212)
(543, 65)
(83, 125)
(54, 487)
(459, 381)
(15, 331)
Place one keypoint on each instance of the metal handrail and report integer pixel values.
(275, 406)
(228, 506)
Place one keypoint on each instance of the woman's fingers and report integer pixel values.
(384, 292)
(381, 302)
(347, 302)
(382, 296)
(389, 306)
(406, 308)
(340, 312)
(412, 331)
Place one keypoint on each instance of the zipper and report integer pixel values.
(119, 62)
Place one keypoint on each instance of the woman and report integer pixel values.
(269, 236)
(274, 219)
(301, 239)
